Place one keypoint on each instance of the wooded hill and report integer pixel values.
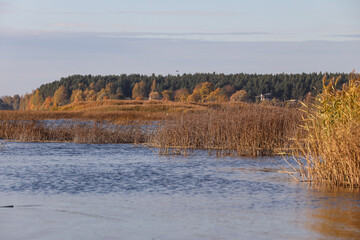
(198, 87)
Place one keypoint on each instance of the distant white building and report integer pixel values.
(266, 97)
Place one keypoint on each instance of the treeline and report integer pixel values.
(199, 87)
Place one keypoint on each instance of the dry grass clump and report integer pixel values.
(331, 148)
(230, 129)
(71, 131)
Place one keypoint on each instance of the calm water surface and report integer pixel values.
(81, 191)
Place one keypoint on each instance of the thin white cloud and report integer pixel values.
(189, 34)
(353, 35)
(73, 25)
(157, 13)
(203, 36)
(181, 13)
(139, 32)
(130, 33)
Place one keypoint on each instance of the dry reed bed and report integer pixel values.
(120, 117)
(231, 129)
(130, 105)
(116, 111)
(331, 148)
(73, 131)
(223, 129)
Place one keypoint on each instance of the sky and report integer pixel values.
(42, 41)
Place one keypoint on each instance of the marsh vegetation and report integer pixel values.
(71, 131)
(223, 129)
(231, 129)
(322, 135)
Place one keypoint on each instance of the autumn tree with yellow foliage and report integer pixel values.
(60, 96)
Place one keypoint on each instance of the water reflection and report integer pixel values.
(335, 213)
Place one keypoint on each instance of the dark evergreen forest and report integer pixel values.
(282, 86)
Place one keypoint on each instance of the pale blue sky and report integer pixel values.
(41, 40)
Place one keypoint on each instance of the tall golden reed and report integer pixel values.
(331, 147)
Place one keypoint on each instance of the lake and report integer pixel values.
(120, 191)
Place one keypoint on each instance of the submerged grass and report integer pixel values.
(230, 129)
(331, 147)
